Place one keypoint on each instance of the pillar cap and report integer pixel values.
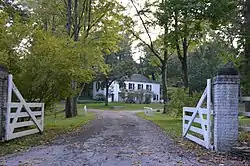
(3, 68)
(228, 69)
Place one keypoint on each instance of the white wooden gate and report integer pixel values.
(197, 121)
(22, 118)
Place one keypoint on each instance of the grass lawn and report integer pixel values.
(126, 106)
(244, 136)
(53, 128)
(173, 126)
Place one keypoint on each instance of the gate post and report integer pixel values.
(3, 100)
(226, 101)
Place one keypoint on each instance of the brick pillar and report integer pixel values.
(3, 99)
(226, 100)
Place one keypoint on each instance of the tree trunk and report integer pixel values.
(53, 25)
(164, 87)
(107, 92)
(153, 76)
(246, 62)
(69, 10)
(68, 112)
(182, 54)
(184, 63)
(69, 101)
(74, 83)
(164, 70)
(185, 73)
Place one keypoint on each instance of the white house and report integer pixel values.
(136, 82)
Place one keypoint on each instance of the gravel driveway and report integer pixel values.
(114, 138)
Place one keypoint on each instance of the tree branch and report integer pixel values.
(149, 46)
(143, 23)
(177, 37)
(93, 24)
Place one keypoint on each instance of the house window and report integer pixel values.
(131, 86)
(102, 85)
(140, 86)
(98, 86)
(149, 87)
(122, 86)
(157, 97)
(154, 97)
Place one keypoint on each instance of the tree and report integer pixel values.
(121, 65)
(203, 63)
(94, 26)
(191, 21)
(246, 44)
(148, 65)
(56, 54)
(159, 48)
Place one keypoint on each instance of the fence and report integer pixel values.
(22, 118)
(243, 112)
(197, 127)
(225, 113)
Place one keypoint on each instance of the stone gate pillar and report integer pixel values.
(3, 99)
(226, 100)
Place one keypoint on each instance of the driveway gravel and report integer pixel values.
(112, 139)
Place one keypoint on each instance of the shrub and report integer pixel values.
(179, 99)
(100, 97)
(147, 98)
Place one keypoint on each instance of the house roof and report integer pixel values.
(140, 78)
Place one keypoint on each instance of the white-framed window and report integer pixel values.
(149, 87)
(122, 86)
(140, 86)
(131, 86)
(154, 96)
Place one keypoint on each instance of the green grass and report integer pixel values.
(244, 121)
(127, 106)
(244, 136)
(53, 128)
(173, 126)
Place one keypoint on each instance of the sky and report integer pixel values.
(130, 10)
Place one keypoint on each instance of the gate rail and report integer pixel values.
(205, 124)
(21, 120)
(244, 113)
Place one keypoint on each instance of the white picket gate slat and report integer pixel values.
(196, 139)
(196, 120)
(23, 133)
(11, 125)
(25, 114)
(205, 124)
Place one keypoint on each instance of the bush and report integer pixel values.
(100, 97)
(147, 98)
(130, 100)
(179, 99)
